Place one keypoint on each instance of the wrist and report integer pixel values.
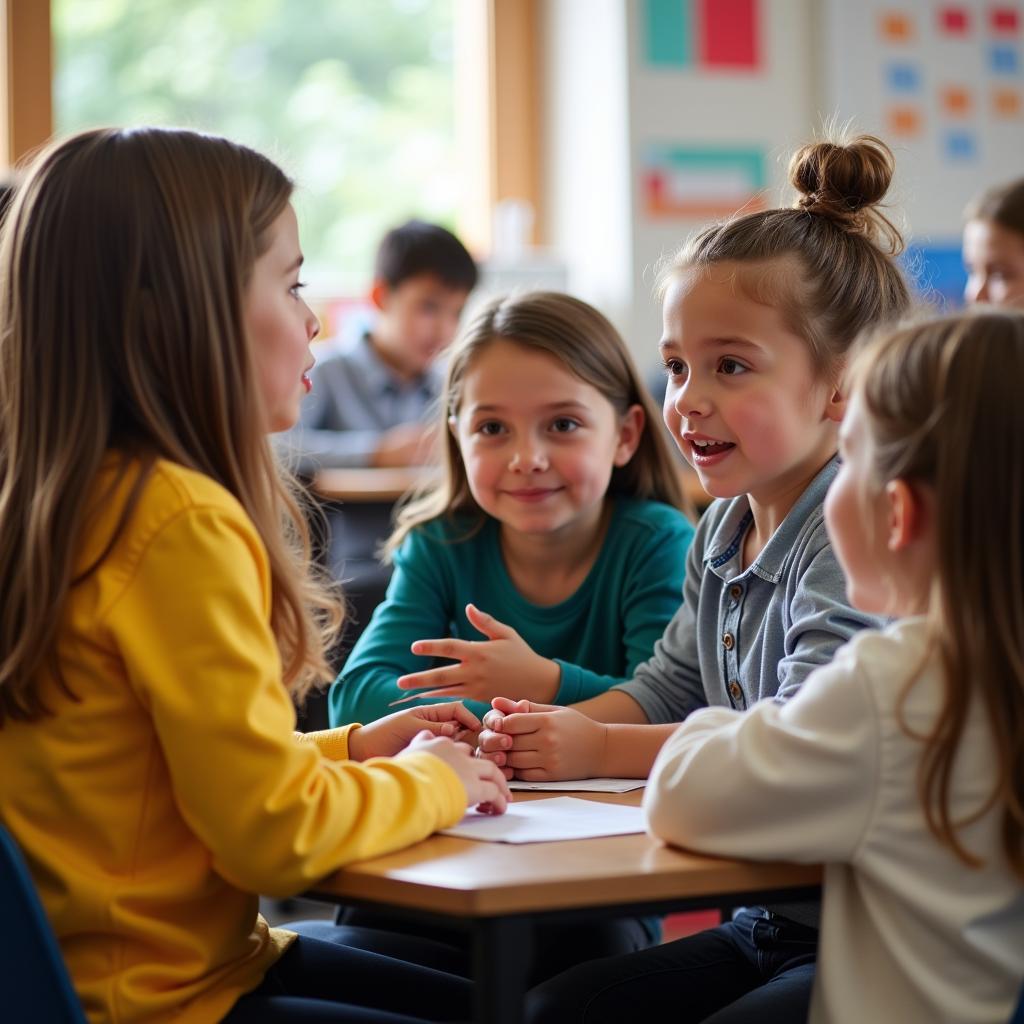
(356, 744)
(547, 682)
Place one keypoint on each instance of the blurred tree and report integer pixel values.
(353, 97)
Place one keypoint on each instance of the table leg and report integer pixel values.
(502, 951)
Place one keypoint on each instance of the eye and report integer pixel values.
(490, 428)
(564, 425)
(294, 289)
(731, 367)
(674, 367)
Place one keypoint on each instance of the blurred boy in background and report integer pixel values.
(371, 398)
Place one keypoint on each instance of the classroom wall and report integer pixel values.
(665, 114)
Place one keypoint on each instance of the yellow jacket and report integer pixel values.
(154, 807)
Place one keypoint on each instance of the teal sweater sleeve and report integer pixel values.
(650, 593)
(420, 605)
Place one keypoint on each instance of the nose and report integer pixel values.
(528, 457)
(688, 400)
(312, 324)
(976, 290)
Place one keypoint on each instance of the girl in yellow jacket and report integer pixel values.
(157, 618)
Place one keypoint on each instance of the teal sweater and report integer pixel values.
(598, 635)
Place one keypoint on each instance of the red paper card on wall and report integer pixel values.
(1004, 19)
(954, 20)
(728, 33)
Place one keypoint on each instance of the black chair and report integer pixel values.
(36, 985)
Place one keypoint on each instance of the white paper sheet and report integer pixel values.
(582, 785)
(544, 821)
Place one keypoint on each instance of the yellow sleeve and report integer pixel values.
(193, 630)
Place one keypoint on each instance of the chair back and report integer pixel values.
(34, 983)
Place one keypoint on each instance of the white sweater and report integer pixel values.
(909, 932)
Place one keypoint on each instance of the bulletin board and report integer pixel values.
(943, 84)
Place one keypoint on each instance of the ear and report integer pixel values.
(835, 408)
(380, 293)
(906, 515)
(453, 426)
(631, 429)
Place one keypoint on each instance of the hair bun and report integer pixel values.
(845, 183)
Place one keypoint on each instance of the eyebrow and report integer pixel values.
(550, 407)
(725, 342)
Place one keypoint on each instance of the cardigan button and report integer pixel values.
(734, 691)
(735, 591)
(728, 641)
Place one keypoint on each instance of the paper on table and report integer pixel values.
(583, 785)
(542, 821)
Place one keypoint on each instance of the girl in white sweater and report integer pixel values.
(901, 764)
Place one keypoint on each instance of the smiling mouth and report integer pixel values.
(307, 383)
(711, 447)
(533, 493)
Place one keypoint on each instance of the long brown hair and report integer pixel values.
(592, 349)
(826, 263)
(942, 401)
(123, 268)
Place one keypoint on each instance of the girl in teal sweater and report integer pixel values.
(549, 558)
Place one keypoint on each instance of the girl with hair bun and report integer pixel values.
(759, 313)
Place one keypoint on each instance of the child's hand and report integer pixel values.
(541, 743)
(387, 736)
(486, 788)
(503, 665)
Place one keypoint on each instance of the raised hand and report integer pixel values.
(503, 665)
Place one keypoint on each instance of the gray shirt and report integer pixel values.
(745, 634)
(742, 635)
(356, 397)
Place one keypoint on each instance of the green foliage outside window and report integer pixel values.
(353, 97)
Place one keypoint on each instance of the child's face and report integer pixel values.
(538, 443)
(994, 257)
(855, 514)
(280, 325)
(418, 319)
(743, 402)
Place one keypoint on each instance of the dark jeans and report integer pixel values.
(556, 947)
(756, 968)
(323, 978)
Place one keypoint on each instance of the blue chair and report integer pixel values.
(34, 983)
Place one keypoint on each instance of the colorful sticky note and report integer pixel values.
(960, 145)
(669, 35)
(954, 21)
(902, 77)
(680, 181)
(904, 121)
(1004, 20)
(895, 27)
(728, 33)
(956, 101)
(1003, 59)
(1006, 103)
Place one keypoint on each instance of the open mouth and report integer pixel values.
(705, 449)
(307, 383)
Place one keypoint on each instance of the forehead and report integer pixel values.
(504, 373)
(708, 304)
(986, 238)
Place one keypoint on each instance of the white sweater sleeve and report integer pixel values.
(791, 781)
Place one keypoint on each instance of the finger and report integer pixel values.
(522, 725)
(462, 715)
(423, 736)
(505, 706)
(488, 624)
(491, 742)
(448, 691)
(447, 648)
(447, 675)
(535, 775)
(498, 757)
(412, 696)
(493, 720)
(524, 760)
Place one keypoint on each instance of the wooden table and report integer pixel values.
(499, 890)
(369, 483)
